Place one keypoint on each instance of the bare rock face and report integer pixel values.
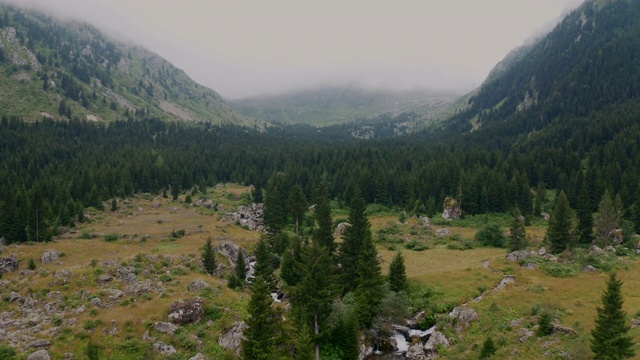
(9, 264)
(340, 229)
(198, 285)
(186, 312)
(249, 216)
(231, 339)
(50, 256)
(452, 209)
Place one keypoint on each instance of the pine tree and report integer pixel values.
(610, 338)
(323, 233)
(263, 324)
(114, 204)
(544, 324)
(241, 267)
(584, 215)
(353, 238)
(291, 269)
(517, 236)
(608, 217)
(539, 200)
(369, 291)
(348, 338)
(275, 215)
(397, 274)
(264, 260)
(297, 204)
(560, 225)
(488, 349)
(208, 258)
(256, 194)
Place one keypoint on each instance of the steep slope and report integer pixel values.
(62, 70)
(341, 104)
(588, 64)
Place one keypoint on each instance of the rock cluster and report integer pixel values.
(232, 338)
(50, 256)
(249, 216)
(452, 209)
(186, 312)
(9, 264)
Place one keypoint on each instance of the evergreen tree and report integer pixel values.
(353, 238)
(114, 204)
(610, 338)
(488, 349)
(275, 216)
(314, 294)
(256, 194)
(608, 217)
(584, 215)
(347, 338)
(369, 290)
(517, 236)
(560, 225)
(305, 346)
(323, 233)
(297, 204)
(264, 260)
(208, 258)
(539, 199)
(397, 274)
(544, 324)
(291, 271)
(263, 325)
(241, 267)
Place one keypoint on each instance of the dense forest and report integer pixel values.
(53, 170)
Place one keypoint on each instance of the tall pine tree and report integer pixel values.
(323, 233)
(517, 236)
(353, 238)
(297, 205)
(263, 325)
(397, 274)
(369, 290)
(610, 338)
(208, 258)
(584, 215)
(560, 225)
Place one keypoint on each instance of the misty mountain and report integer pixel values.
(56, 69)
(588, 65)
(342, 104)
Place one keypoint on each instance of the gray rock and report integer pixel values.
(96, 302)
(542, 251)
(451, 209)
(525, 334)
(232, 338)
(164, 349)
(519, 255)
(114, 294)
(37, 344)
(50, 256)
(485, 264)
(249, 216)
(610, 248)
(9, 264)
(595, 249)
(186, 312)
(198, 285)
(26, 273)
(557, 328)
(165, 327)
(199, 356)
(589, 269)
(230, 250)
(465, 316)
(437, 338)
(416, 351)
(14, 297)
(139, 288)
(39, 355)
(443, 232)
(426, 222)
(104, 278)
(69, 356)
(340, 229)
(514, 323)
(147, 337)
(508, 279)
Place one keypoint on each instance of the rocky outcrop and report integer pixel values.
(208, 203)
(164, 349)
(9, 264)
(232, 338)
(443, 232)
(50, 256)
(451, 210)
(230, 250)
(340, 229)
(186, 312)
(165, 327)
(426, 222)
(249, 216)
(139, 288)
(198, 285)
(199, 356)
(39, 355)
(463, 316)
(516, 256)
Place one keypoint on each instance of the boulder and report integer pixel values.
(37, 344)
(139, 288)
(451, 209)
(39, 355)
(199, 356)
(231, 339)
(249, 216)
(165, 327)
(443, 232)
(50, 256)
(9, 264)
(104, 278)
(508, 279)
(542, 251)
(198, 285)
(464, 315)
(208, 203)
(519, 255)
(557, 328)
(340, 229)
(164, 349)
(114, 294)
(610, 248)
(426, 222)
(525, 334)
(437, 338)
(595, 249)
(14, 297)
(186, 312)
(589, 269)
(617, 235)
(415, 351)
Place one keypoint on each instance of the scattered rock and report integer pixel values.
(426, 222)
(14, 297)
(147, 337)
(114, 294)
(186, 312)
(341, 228)
(104, 278)
(485, 264)
(37, 344)
(416, 351)
(199, 356)
(231, 339)
(165, 327)
(443, 232)
(464, 316)
(50, 256)
(508, 279)
(9, 264)
(39, 355)
(198, 285)
(525, 334)
(139, 288)
(451, 209)
(514, 323)
(529, 266)
(163, 348)
(589, 269)
(208, 203)
(26, 273)
(595, 249)
(249, 216)
(437, 338)
(542, 251)
(557, 328)
(520, 255)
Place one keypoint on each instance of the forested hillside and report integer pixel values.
(70, 70)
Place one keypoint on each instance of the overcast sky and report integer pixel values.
(242, 48)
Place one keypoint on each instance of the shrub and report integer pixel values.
(544, 324)
(491, 235)
(32, 264)
(111, 237)
(7, 352)
(559, 270)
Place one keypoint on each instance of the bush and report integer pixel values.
(32, 264)
(559, 270)
(111, 237)
(7, 352)
(544, 324)
(491, 235)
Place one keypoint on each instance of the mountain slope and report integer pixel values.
(340, 104)
(588, 64)
(54, 69)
